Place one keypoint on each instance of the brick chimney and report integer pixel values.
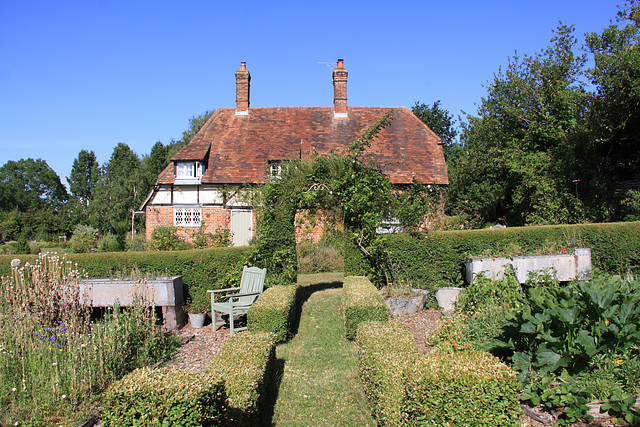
(340, 90)
(243, 80)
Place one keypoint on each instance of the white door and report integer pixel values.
(241, 227)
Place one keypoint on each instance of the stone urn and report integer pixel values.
(447, 297)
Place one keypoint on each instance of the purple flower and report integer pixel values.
(575, 181)
(63, 329)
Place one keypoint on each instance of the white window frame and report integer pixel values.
(189, 170)
(187, 216)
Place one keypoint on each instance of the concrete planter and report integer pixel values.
(165, 292)
(447, 298)
(407, 305)
(566, 267)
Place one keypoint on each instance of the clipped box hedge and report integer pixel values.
(460, 389)
(247, 364)
(435, 259)
(362, 302)
(274, 311)
(384, 349)
(164, 397)
(201, 269)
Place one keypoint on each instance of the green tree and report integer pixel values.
(614, 147)
(117, 192)
(520, 161)
(30, 184)
(84, 176)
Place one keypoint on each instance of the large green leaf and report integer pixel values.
(587, 342)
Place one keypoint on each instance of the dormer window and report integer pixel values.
(189, 170)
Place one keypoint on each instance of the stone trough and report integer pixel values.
(566, 267)
(164, 292)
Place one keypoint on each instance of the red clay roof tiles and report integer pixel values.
(240, 147)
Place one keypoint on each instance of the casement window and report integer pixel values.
(187, 216)
(189, 170)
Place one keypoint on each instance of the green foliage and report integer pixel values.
(518, 168)
(164, 397)
(362, 303)
(109, 243)
(30, 184)
(417, 205)
(274, 311)
(165, 238)
(384, 349)
(84, 176)
(246, 362)
(460, 389)
(483, 292)
(22, 246)
(118, 191)
(54, 364)
(632, 202)
(560, 332)
(84, 239)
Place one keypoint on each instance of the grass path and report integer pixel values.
(319, 385)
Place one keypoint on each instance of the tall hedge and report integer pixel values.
(433, 259)
(201, 269)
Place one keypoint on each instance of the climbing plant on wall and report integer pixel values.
(346, 183)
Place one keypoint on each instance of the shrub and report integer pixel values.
(274, 312)
(22, 246)
(164, 397)
(84, 239)
(362, 302)
(165, 238)
(460, 389)
(384, 348)
(247, 364)
(109, 243)
(137, 242)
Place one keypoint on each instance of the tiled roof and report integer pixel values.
(239, 147)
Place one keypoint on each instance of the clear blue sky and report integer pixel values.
(89, 74)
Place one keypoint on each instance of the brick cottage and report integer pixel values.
(205, 183)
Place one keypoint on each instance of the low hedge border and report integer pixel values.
(384, 348)
(441, 389)
(362, 302)
(247, 363)
(274, 311)
(164, 397)
(469, 388)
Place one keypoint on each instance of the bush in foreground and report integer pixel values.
(164, 397)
